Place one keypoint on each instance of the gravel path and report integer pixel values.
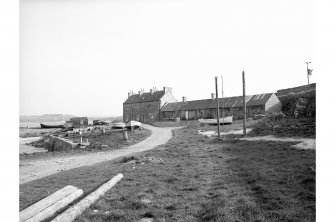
(34, 169)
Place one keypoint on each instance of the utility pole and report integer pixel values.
(217, 103)
(222, 105)
(244, 106)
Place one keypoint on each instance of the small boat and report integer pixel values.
(131, 125)
(44, 126)
(99, 122)
(225, 120)
(118, 125)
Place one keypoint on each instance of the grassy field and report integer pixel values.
(194, 178)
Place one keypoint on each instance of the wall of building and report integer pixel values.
(79, 121)
(142, 112)
(273, 105)
(167, 98)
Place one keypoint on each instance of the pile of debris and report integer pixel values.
(142, 160)
(279, 124)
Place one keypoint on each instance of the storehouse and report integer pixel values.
(146, 106)
(256, 104)
(79, 121)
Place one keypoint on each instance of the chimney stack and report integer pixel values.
(184, 98)
(166, 89)
(212, 96)
(153, 90)
(130, 94)
(141, 92)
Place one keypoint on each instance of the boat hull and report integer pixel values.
(225, 120)
(131, 125)
(44, 126)
(118, 125)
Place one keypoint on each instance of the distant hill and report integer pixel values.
(46, 118)
(90, 118)
(60, 117)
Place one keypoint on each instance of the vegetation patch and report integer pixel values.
(201, 180)
(285, 127)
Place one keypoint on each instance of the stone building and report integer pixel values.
(206, 108)
(146, 106)
(79, 121)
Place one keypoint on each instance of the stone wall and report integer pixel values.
(142, 112)
(147, 111)
(59, 144)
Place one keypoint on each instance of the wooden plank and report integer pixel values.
(46, 202)
(74, 211)
(51, 210)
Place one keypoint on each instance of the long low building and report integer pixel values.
(206, 108)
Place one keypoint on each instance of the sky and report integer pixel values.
(82, 57)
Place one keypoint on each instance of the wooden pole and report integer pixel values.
(222, 105)
(217, 103)
(74, 211)
(46, 202)
(51, 210)
(244, 106)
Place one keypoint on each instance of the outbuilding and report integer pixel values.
(232, 106)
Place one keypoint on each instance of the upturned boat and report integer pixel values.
(44, 126)
(225, 120)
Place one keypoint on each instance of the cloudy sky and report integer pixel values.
(82, 57)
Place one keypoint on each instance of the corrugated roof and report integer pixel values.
(258, 100)
(229, 102)
(236, 101)
(145, 97)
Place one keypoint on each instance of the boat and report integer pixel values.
(99, 122)
(118, 125)
(225, 120)
(44, 126)
(131, 125)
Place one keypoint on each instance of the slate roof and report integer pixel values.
(258, 100)
(170, 107)
(229, 102)
(145, 97)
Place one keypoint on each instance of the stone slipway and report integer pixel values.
(34, 169)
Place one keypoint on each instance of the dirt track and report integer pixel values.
(34, 169)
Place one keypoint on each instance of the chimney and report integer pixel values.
(130, 94)
(153, 90)
(166, 89)
(212, 96)
(184, 99)
(141, 92)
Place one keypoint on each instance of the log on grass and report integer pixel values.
(74, 211)
(46, 202)
(51, 210)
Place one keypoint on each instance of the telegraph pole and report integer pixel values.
(217, 103)
(244, 106)
(222, 106)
